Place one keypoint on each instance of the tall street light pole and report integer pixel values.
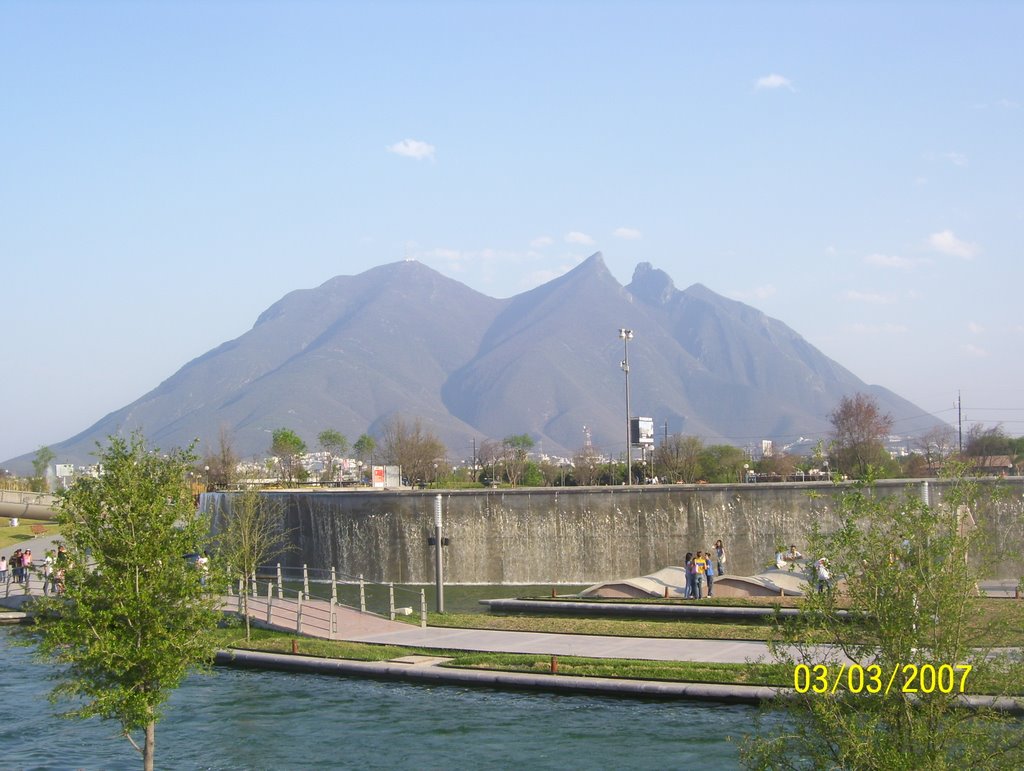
(626, 335)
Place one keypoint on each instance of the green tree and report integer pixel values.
(365, 447)
(859, 431)
(904, 605)
(334, 442)
(286, 445)
(515, 450)
(41, 466)
(722, 463)
(133, 618)
(250, 532)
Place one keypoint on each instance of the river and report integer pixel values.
(243, 719)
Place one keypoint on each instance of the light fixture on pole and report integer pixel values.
(626, 335)
(438, 558)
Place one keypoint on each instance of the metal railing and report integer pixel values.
(306, 599)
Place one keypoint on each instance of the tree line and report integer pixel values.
(855, 447)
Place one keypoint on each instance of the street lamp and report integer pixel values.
(626, 335)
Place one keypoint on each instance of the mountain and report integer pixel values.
(402, 339)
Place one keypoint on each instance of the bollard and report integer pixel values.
(295, 646)
(334, 587)
(553, 595)
(423, 608)
(305, 581)
(362, 594)
(253, 579)
(391, 601)
(666, 592)
(270, 588)
(554, 665)
(280, 583)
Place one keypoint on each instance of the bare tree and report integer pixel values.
(412, 447)
(678, 458)
(223, 462)
(586, 465)
(250, 533)
(490, 454)
(859, 430)
(937, 445)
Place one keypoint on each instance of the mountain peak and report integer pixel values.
(651, 285)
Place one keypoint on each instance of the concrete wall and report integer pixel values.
(577, 535)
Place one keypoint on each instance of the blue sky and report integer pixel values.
(171, 169)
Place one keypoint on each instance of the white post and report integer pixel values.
(423, 608)
(305, 581)
(438, 559)
(391, 601)
(270, 599)
(362, 594)
(253, 584)
(280, 583)
(298, 617)
(334, 587)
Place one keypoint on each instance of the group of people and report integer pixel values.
(703, 567)
(18, 568)
(817, 569)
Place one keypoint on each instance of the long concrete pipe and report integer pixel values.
(28, 506)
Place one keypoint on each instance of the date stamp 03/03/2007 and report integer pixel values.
(874, 679)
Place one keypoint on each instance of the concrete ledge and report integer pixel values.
(606, 608)
(729, 694)
(425, 672)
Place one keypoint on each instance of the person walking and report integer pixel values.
(3, 568)
(48, 580)
(26, 567)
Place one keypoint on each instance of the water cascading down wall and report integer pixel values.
(574, 535)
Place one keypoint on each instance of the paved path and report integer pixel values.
(592, 646)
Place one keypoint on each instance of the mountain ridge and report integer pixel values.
(403, 339)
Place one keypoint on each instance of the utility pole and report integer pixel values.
(960, 422)
(626, 335)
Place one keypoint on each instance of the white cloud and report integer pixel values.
(757, 293)
(413, 148)
(576, 237)
(871, 298)
(975, 328)
(895, 261)
(974, 350)
(630, 234)
(876, 329)
(957, 159)
(541, 241)
(773, 81)
(947, 243)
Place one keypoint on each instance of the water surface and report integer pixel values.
(244, 719)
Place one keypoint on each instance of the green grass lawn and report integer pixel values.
(25, 531)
